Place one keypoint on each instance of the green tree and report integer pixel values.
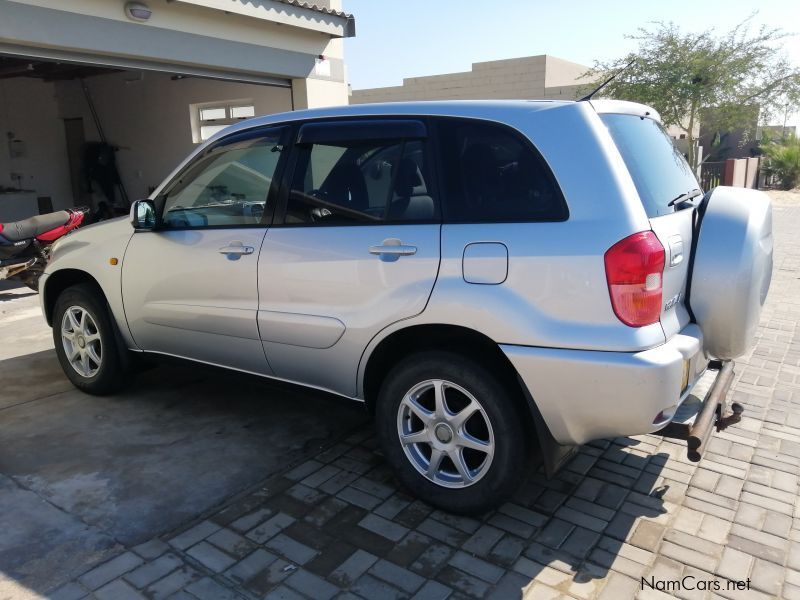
(681, 74)
(783, 160)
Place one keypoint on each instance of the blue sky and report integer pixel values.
(406, 38)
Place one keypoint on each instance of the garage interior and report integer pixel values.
(76, 134)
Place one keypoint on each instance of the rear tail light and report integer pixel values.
(634, 270)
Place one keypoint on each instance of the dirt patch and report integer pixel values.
(785, 198)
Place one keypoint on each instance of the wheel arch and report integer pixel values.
(471, 344)
(60, 280)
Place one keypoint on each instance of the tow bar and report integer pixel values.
(712, 414)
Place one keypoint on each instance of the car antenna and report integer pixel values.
(606, 82)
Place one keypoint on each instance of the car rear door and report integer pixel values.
(661, 174)
(354, 249)
(190, 287)
(724, 275)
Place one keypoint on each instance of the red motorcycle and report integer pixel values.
(25, 245)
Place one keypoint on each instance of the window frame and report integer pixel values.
(527, 143)
(270, 202)
(429, 145)
(227, 105)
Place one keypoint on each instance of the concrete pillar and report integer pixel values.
(730, 167)
(317, 93)
(751, 173)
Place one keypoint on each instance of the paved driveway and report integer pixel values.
(82, 478)
(119, 494)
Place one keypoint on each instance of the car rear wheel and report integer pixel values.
(85, 343)
(452, 432)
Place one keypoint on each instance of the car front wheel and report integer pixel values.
(84, 341)
(452, 432)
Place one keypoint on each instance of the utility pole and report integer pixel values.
(785, 116)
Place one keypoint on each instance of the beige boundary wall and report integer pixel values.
(742, 172)
(529, 77)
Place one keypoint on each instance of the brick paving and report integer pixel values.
(337, 526)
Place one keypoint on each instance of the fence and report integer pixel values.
(736, 172)
(712, 174)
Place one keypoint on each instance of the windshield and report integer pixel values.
(659, 170)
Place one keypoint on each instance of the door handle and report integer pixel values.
(236, 248)
(399, 250)
(392, 249)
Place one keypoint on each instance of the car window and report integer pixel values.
(360, 182)
(227, 186)
(659, 170)
(492, 175)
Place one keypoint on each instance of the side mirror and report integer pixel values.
(143, 215)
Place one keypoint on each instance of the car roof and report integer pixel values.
(487, 109)
(451, 108)
(421, 108)
(491, 110)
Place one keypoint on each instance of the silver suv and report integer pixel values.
(496, 281)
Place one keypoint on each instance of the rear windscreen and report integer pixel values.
(659, 170)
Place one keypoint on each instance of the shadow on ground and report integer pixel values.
(83, 476)
(340, 518)
(12, 290)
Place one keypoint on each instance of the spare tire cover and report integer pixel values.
(732, 269)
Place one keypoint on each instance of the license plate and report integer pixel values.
(685, 376)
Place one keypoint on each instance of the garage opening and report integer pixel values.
(87, 135)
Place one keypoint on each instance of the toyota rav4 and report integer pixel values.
(496, 281)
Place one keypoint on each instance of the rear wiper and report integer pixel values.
(685, 197)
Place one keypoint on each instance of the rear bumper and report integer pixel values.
(584, 395)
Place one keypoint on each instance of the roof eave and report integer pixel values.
(292, 13)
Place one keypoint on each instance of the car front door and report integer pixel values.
(190, 286)
(354, 249)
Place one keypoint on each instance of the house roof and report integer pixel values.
(322, 9)
(296, 13)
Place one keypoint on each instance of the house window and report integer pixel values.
(209, 118)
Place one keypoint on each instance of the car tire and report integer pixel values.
(85, 342)
(406, 408)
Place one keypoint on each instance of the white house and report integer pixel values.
(151, 78)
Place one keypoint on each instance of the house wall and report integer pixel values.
(524, 78)
(721, 142)
(143, 110)
(148, 116)
(29, 110)
(316, 93)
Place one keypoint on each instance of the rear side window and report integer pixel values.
(659, 170)
(491, 174)
(360, 182)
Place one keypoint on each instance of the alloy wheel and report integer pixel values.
(445, 433)
(81, 339)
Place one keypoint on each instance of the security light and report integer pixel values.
(137, 11)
